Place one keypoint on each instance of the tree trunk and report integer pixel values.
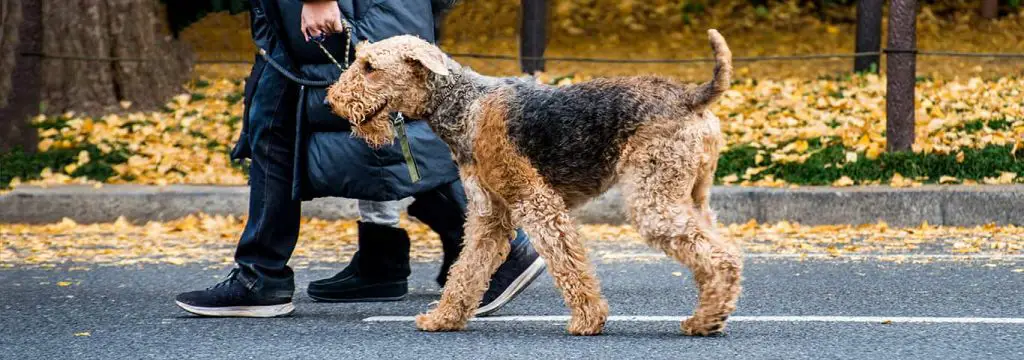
(82, 39)
(10, 20)
(19, 33)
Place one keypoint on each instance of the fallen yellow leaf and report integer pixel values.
(801, 146)
(843, 181)
(63, 283)
(873, 152)
(899, 181)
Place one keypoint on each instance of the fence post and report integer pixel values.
(532, 34)
(869, 35)
(989, 9)
(901, 65)
(26, 80)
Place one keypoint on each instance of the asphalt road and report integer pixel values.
(128, 313)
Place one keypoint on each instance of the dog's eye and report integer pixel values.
(368, 67)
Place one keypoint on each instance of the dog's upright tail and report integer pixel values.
(707, 93)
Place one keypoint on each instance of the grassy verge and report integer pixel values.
(835, 164)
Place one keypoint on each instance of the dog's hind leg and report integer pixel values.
(666, 184)
(546, 219)
(684, 233)
(488, 228)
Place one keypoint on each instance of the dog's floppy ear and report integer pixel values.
(431, 58)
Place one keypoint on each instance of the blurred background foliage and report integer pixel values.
(672, 29)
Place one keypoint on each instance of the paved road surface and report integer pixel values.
(128, 313)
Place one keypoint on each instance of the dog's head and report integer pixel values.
(391, 75)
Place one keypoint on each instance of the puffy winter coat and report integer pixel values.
(328, 160)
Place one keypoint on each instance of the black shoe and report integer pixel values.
(348, 286)
(232, 298)
(513, 276)
(377, 272)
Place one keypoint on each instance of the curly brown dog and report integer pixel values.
(529, 153)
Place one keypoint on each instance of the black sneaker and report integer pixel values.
(232, 298)
(513, 276)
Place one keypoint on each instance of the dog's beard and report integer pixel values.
(376, 131)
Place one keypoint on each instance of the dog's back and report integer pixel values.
(574, 135)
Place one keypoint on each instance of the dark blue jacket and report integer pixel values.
(328, 160)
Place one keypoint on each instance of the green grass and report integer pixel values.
(27, 166)
(828, 164)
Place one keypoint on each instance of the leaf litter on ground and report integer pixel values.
(207, 239)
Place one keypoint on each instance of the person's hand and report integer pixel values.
(320, 17)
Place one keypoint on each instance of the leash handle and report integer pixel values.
(398, 121)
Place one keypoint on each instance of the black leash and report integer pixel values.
(291, 76)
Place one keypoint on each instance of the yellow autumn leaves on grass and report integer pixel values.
(779, 116)
(782, 109)
(189, 143)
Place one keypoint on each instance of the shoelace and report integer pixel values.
(232, 277)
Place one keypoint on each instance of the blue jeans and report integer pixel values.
(272, 229)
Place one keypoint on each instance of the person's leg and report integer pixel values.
(272, 228)
(444, 210)
(379, 269)
(263, 284)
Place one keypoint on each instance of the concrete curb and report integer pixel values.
(938, 205)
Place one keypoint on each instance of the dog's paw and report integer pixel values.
(704, 327)
(583, 328)
(434, 323)
(589, 322)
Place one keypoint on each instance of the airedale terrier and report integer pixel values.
(529, 153)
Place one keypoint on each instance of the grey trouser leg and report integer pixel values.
(380, 212)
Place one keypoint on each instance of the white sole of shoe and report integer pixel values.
(517, 286)
(240, 311)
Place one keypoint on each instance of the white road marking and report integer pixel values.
(834, 319)
(890, 256)
(639, 255)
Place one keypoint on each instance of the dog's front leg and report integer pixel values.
(553, 233)
(488, 230)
